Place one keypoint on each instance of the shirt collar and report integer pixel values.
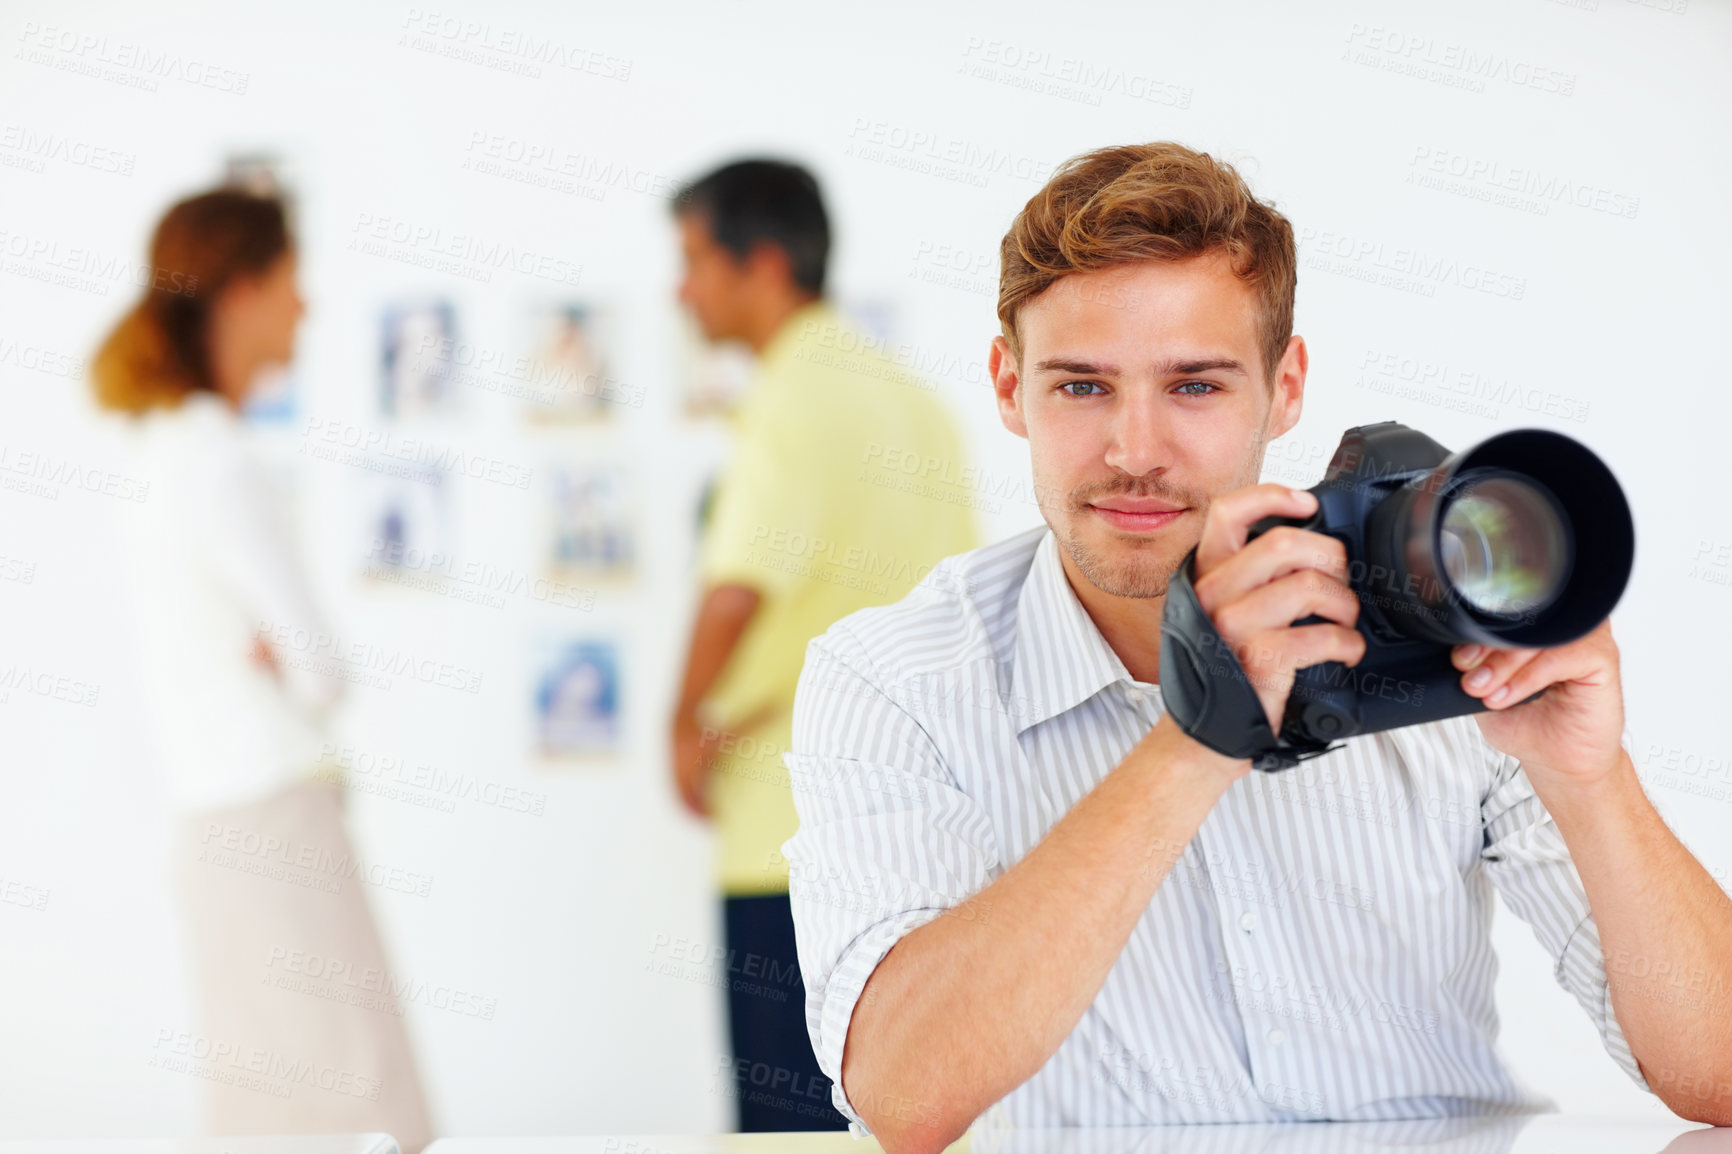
(1061, 659)
(786, 341)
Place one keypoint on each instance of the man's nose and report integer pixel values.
(1142, 436)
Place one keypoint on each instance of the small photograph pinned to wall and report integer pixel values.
(406, 532)
(577, 700)
(591, 534)
(714, 377)
(569, 371)
(262, 173)
(873, 317)
(415, 370)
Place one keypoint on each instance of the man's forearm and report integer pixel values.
(964, 1009)
(1666, 932)
(723, 615)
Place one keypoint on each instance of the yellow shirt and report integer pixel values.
(847, 484)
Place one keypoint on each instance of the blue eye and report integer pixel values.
(1205, 384)
(1070, 387)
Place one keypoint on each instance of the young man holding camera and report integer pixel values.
(1084, 916)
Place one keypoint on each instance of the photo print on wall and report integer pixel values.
(590, 531)
(577, 700)
(407, 533)
(415, 377)
(569, 369)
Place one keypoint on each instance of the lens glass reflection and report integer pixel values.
(1505, 545)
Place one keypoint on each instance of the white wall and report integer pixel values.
(927, 136)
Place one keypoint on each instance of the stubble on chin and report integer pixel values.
(1130, 570)
(1119, 565)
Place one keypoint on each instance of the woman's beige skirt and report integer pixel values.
(300, 1029)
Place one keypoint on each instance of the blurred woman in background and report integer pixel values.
(292, 986)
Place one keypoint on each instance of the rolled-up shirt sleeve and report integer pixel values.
(758, 507)
(1530, 864)
(887, 840)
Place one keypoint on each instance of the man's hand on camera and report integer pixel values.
(1574, 731)
(1254, 592)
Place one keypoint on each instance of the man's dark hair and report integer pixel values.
(752, 201)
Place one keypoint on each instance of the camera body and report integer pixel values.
(1384, 497)
(1402, 679)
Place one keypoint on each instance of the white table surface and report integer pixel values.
(285, 1144)
(1531, 1134)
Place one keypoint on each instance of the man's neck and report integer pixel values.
(762, 327)
(1131, 626)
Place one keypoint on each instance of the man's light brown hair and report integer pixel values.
(1159, 201)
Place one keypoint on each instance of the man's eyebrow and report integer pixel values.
(1081, 368)
(1167, 368)
(1175, 368)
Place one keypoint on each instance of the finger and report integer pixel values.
(1282, 550)
(1277, 654)
(1547, 667)
(1493, 668)
(1230, 516)
(1471, 655)
(1283, 601)
(1465, 657)
(1272, 661)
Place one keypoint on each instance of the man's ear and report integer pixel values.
(1288, 397)
(1006, 386)
(768, 262)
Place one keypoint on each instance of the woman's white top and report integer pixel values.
(216, 569)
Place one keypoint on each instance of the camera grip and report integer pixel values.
(1206, 690)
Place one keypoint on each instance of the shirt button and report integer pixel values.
(1277, 1036)
(1248, 922)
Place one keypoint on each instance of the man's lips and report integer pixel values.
(1138, 514)
(1138, 505)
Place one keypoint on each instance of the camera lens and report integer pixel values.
(1505, 544)
(1525, 539)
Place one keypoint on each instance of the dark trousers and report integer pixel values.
(777, 1082)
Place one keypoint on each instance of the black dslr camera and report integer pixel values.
(1524, 540)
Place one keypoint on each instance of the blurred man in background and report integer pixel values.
(818, 514)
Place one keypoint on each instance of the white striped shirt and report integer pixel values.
(1320, 950)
